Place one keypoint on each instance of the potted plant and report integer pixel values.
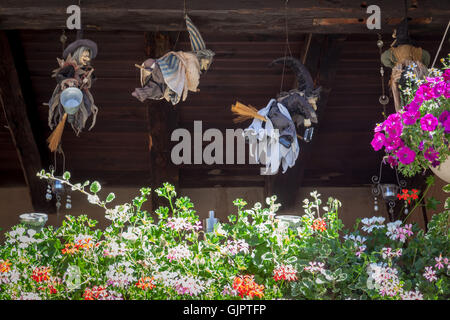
(417, 137)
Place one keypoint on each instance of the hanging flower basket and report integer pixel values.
(417, 137)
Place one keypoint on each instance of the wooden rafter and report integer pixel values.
(15, 111)
(161, 120)
(233, 16)
(322, 61)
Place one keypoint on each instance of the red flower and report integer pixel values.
(319, 225)
(97, 292)
(41, 274)
(285, 272)
(246, 286)
(5, 266)
(146, 283)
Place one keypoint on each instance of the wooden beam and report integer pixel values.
(233, 16)
(162, 119)
(15, 110)
(322, 60)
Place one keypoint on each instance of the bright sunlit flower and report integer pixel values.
(41, 274)
(285, 272)
(246, 286)
(430, 274)
(5, 266)
(319, 225)
(146, 283)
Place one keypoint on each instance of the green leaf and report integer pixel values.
(291, 260)
(446, 188)
(66, 175)
(110, 197)
(432, 203)
(267, 256)
(430, 180)
(95, 187)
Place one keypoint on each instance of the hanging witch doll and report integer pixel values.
(406, 59)
(173, 75)
(71, 100)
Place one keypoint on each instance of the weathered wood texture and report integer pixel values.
(16, 119)
(233, 16)
(115, 151)
(322, 61)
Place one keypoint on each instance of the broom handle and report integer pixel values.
(264, 119)
(138, 66)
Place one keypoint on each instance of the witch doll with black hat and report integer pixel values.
(74, 70)
(404, 55)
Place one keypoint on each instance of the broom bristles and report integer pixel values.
(55, 138)
(248, 112)
(245, 112)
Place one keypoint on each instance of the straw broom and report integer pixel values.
(249, 112)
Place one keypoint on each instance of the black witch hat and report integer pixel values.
(402, 34)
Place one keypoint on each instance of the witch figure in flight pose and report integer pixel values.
(171, 76)
(75, 70)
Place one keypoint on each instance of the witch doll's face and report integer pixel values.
(85, 57)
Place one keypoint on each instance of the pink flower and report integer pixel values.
(378, 141)
(431, 154)
(428, 122)
(406, 155)
(392, 144)
(413, 107)
(430, 274)
(410, 118)
(439, 264)
(285, 272)
(392, 161)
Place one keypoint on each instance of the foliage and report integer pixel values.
(417, 136)
(167, 255)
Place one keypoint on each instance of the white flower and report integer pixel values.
(409, 75)
(120, 274)
(219, 230)
(234, 247)
(129, 236)
(179, 252)
(121, 213)
(94, 199)
(372, 223)
(30, 296)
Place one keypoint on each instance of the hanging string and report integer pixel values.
(287, 46)
(181, 24)
(440, 46)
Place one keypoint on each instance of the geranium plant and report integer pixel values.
(167, 254)
(417, 136)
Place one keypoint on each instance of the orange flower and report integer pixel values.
(319, 225)
(246, 286)
(95, 293)
(146, 283)
(41, 274)
(69, 248)
(5, 266)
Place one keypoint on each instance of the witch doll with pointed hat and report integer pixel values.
(171, 76)
(75, 71)
(404, 55)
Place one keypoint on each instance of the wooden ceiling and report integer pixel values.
(246, 37)
(231, 16)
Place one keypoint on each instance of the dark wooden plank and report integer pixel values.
(15, 111)
(236, 17)
(322, 62)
